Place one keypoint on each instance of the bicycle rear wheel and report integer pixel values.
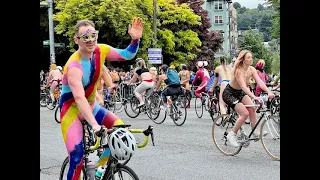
(121, 172)
(57, 115)
(118, 104)
(153, 107)
(219, 135)
(179, 109)
(271, 141)
(131, 107)
(65, 168)
(198, 107)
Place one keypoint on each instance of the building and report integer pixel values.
(223, 18)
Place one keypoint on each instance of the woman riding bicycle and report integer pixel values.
(172, 82)
(237, 93)
(146, 80)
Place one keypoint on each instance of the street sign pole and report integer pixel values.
(49, 5)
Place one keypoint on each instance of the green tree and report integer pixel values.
(275, 64)
(275, 4)
(242, 10)
(236, 5)
(254, 43)
(113, 17)
(260, 7)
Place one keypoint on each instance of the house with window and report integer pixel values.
(220, 18)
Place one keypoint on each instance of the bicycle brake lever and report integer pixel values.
(152, 138)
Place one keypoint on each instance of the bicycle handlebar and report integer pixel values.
(146, 132)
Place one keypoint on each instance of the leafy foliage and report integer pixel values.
(254, 43)
(211, 41)
(113, 17)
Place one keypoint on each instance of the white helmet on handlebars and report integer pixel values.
(122, 144)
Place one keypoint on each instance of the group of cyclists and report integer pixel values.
(85, 74)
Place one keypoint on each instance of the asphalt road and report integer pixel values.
(180, 153)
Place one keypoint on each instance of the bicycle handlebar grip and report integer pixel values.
(100, 132)
(260, 105)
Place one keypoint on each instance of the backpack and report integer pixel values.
(173, 77)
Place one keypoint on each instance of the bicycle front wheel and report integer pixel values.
(271, 141)
(219, 135)
(122, 172)
(198, 107)
(65, 168)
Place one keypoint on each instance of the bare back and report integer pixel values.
(55, 74)
(224, 72)
(245, 75)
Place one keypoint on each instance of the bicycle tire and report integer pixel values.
(56, 117)
(183, 106)
(48, 100)
(132, 100)
(158, 113)
(214, 110)
(43, 101)
(63, 168)
(118, 105)
(216, 139)
(274, 134)
(199, 112)
(121, 167)
(274, 105)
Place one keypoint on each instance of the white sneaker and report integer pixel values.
(141, 104)
(256, 134)
(165, 107)
(232, 138)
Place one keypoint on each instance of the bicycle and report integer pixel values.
(275, 104)
(132, 103)
(177, 106)
(56, 95)
(105, 158)
(219, 133)
(214, 108)
(44, 96)
(204, 101)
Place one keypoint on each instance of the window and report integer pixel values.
(218, 19)
(218, 5)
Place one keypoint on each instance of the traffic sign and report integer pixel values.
(47, 43)
(155, 55)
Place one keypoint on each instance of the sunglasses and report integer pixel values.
(89, 36)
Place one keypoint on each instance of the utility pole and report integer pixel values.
(154, 23)
(49, 5)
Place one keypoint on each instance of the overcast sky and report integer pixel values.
(249, 3)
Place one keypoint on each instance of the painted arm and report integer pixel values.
(76, 86)
(130, 52)
(196, 77)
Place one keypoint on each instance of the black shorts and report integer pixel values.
(232, 96)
